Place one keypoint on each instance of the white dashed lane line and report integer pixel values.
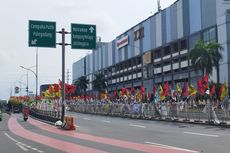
(88, 119)
(21, 145)
(201, 134)
(105, 121)
(171, 147)
(135, 125)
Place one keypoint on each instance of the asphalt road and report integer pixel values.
(204, 139)
(11, 143)
(100, 134)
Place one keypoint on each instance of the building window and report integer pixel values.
(139, 60)
(157, 54)
(209, 35)
(167, 51)
(175, 48)
(183, 45)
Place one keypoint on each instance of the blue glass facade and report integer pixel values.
(194, 15)
(164, 34)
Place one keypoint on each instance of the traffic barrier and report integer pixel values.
(69, 123)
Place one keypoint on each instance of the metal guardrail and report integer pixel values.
(51, 116)
(181, 111)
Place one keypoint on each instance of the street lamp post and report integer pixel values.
(36, 81)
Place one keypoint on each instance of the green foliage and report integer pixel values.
(99, 83)
(81, 84)
(205, 56)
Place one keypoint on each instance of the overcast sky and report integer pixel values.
(112, 17)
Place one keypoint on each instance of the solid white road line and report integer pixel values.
(88, 119)
(20, 146)
(135, 125)
(6, 134)
(201, 134)
(106, 121)
(170, 147)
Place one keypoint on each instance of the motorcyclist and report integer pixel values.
(25, 112)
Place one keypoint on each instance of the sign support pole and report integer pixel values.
(63, 44)
(36, 96)
(63, 74)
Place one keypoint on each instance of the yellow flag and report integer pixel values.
(226, 88)
(192, 91)
(224, 91)
(178, 90)
(161, 93)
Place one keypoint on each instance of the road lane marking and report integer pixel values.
(20, 146)
(34, 149)
(135, 125)
(6, 134)
(201, 134)
(170, 147)
(105, 121)
(61, 145)
(88, 119)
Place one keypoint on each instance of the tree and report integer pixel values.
(205, 56)
(99, 83)
(82, 84)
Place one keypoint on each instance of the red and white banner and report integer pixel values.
(122, 42)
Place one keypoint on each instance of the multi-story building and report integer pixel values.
(156, 49)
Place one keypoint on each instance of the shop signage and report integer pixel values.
(122, 42)
(139, 34)
(147, 58)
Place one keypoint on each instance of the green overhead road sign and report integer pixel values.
(42, 34)
(83, 36)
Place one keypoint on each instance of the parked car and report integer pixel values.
(16, 110)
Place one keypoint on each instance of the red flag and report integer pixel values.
(50, 89)
(114, 93)
(142, 90)
(123, 91)
(166, 89)
(205, 82)
(56, 87)
(133, 90)
(213, 90)
(154, 89)
(184, 90)
(200, 87)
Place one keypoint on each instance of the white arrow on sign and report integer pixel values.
(34, 42)
(91, 29)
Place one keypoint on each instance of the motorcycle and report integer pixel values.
(25, 113)
(25, 117)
